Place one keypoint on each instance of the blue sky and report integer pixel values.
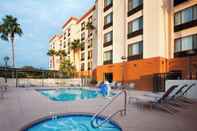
(40, 19)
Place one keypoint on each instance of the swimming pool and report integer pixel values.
(71, 122)
(70, 94)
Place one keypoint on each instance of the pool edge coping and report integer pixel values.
(36, 121)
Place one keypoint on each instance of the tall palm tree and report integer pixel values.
(76, 46)
(8, 30)
(62, 55)
(67, 68)
(89, 26)
(52, 53)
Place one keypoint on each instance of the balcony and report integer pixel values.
(135, 33)
(107, 7)
(133, 11)
(82, 48)
(83, 28)
(135, 57)
(107, 43)
(107, 62)
(185, 26)
(185, 53)
(89, 34)
(89, 57)
(89, 46)
(82, 59)
(83, 38)
(107, 25)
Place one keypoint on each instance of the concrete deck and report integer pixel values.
(22, 106)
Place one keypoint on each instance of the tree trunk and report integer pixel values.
(53, 62)
(13, 53)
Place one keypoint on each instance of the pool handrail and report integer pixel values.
(107, 105)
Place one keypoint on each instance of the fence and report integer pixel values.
(27, 82)
(159, 80)
(17, 77)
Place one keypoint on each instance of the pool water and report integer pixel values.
(76, 122)
(69, 94)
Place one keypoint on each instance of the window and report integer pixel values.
(132, 4)
(89, 54)
(186, 43)
(82, 67)
(82, 46)
(177, 2)
(64, 35)
(82, 56)
(107, 3)
(83, 26)
(135, 49)
(69, 32)
(90, 43)
(108, 57)
(186, 15)
(89, 65)
(135, 25)
(90, 19)
(108, 19)
(108, 37)
(83, 36)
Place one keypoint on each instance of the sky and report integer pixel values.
(40, 20)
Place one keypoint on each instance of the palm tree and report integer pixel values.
(52, 53)
(9, 29)
(67, 68)
(89, 26)
(62, 54)
(76, 46)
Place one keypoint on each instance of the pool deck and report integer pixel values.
(22, 106)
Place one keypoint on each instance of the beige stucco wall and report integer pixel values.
(85, 19)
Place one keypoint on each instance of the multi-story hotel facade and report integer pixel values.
(139, 38)
(135, 39)
(75, 29)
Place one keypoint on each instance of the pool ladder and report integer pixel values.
(94, 121)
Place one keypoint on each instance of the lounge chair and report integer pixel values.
(181, 97)
(157, 101)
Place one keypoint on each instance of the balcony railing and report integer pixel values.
(83, 28)
(107, 25)
(107, 62)
(107, 43)
(135, 33)
(135, 57)
(107, 7)
(133, 11)
(185, 26)
(185, 53)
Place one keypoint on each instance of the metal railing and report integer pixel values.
(122, 111)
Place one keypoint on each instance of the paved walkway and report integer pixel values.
(22, 106)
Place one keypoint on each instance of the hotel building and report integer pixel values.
(135, 40)
(75, 29)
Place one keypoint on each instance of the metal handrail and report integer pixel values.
(107, 105)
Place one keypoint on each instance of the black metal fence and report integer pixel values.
(7, 72)
(160, 79)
